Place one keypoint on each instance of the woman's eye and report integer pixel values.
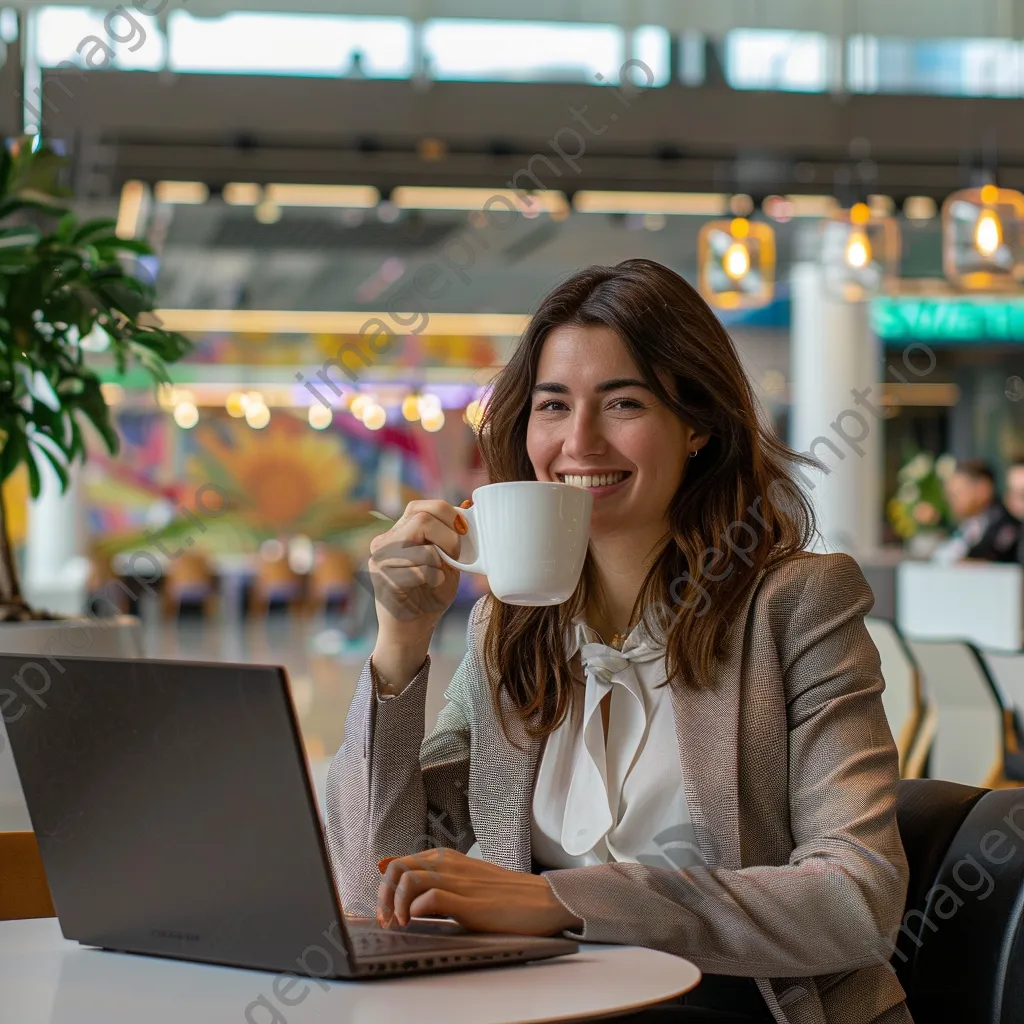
(627, 403)
(549, 405)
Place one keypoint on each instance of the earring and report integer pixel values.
(693, 453)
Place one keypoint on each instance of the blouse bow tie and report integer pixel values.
(592, 802)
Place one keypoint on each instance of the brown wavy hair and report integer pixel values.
(737, 511)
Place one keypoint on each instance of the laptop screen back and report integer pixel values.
(173, 810)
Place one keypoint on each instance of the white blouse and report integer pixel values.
(624, 802)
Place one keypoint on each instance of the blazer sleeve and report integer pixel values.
(833, 906)
(390, 792)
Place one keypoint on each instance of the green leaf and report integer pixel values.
(67, 227)
(58, 466)
(95, 231)
(17, 248)
(122, 296)
(77, 447)
(151, 362)
(5, 169)
(35, 201)
(35, 484)
(165, 344)
(91, 403)
(25, 235)
(11, 453)
(113, 244)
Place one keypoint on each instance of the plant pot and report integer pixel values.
(44, 644)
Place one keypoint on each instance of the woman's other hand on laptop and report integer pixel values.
(480, 896)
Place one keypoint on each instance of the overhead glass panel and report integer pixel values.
(652, 45)
(291, 44)
(97, 39)
(522, 51)
(941, 67)
(773, 59)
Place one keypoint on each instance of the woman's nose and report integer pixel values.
(583, 436)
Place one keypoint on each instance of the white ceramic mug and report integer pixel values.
(529, 538)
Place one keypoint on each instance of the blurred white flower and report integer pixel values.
(945, 466)
(908, 493)
(917, 468)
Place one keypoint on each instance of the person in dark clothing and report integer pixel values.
(987, 531)
(1014, 499)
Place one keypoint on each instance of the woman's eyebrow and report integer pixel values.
(552, 387)
(621, 382)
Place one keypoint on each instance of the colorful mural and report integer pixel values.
(283, 480)
(262, 349)
(286, 478)
(15, 499)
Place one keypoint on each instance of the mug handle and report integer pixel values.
(469, 541)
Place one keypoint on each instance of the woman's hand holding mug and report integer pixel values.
(413, 586)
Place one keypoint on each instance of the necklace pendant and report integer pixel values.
(618, 640)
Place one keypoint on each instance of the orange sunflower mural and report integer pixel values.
(282, 479)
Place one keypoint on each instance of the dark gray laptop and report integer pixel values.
(175, 816)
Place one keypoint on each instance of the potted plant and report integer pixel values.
(67, 294)
(918, 511)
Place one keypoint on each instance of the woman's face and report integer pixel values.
(591, 416)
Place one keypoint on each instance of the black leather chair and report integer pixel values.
(960, 952)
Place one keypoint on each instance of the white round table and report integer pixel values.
(45, 979)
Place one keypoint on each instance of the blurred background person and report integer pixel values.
(1014, 499)
(987, 531)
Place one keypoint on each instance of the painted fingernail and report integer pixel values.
(467, 503)
(382, 865)
(461, 526)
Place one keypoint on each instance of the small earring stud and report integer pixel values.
(692, 454)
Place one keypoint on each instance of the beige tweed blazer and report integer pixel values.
(790, 774)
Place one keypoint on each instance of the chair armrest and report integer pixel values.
(969, 960)
(917, 757)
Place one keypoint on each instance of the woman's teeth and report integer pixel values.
(603, 480)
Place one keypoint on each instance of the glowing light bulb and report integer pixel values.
(359, 405)
(433, 421)
(858, 251)
(257, 415)
(474, 414)
(988, 233)
(168, 397)
(737, 260)
(428, 404)
(236, 403)
(186, 415)
(411, 408)
(374, 417)
(320, 416)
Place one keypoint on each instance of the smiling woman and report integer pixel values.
(691, 752)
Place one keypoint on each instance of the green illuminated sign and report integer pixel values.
(949, 320)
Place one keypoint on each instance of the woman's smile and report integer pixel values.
(600, 485)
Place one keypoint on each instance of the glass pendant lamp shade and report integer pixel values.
(983, 239)
(736, 263)
(860, 253)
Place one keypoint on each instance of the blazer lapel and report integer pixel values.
(707, 730)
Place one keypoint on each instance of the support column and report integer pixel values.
(834, 354)
(55, 574)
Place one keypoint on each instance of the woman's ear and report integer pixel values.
(697, 442)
